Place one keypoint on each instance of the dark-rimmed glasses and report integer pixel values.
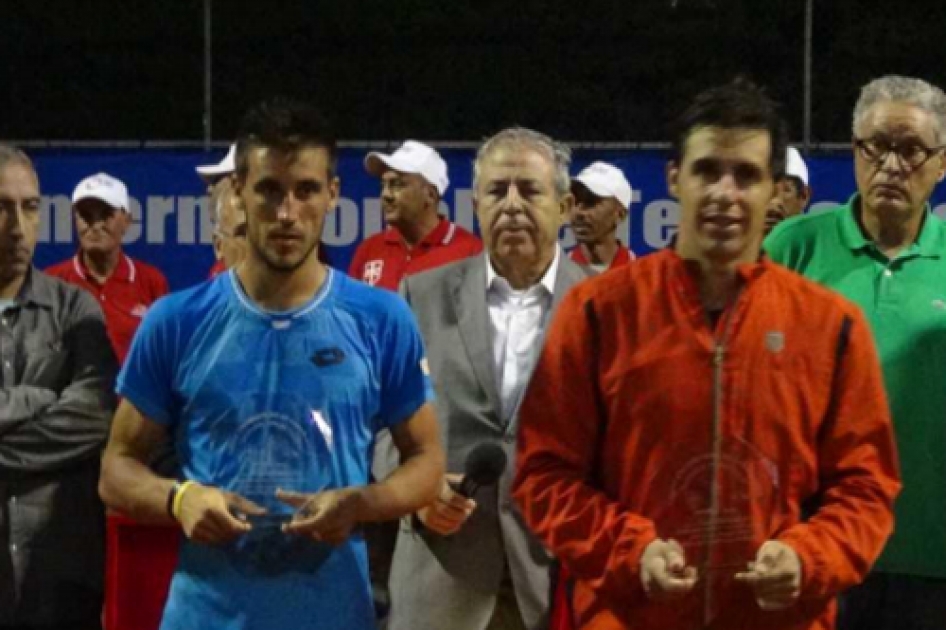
(911, 155)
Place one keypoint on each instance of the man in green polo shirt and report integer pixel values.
(886, 251)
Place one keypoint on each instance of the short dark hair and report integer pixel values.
(739, 104)
(286, 125)
(794, 180)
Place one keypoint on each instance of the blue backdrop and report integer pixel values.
(172, 229)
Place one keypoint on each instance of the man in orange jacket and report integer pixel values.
(706, 442)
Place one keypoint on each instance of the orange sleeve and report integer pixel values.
(858, 470)
(561, 427)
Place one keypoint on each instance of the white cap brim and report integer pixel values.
(226, 166)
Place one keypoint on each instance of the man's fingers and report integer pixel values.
(670, 584)
(244, 505)
(675, 561)
(453, 478)
(776, 603)
(212, 531)
(295, 499)
(445, 523)
(226, 523)
(458, 505)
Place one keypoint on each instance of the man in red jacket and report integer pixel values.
(124, 287)
(706, 441)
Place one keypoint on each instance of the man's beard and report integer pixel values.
(282, 267)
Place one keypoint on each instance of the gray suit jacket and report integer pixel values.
(451, 583)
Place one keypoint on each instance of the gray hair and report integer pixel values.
(557, 153)
(901, 89)
(10, 154)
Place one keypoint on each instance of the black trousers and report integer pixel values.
(890, 601)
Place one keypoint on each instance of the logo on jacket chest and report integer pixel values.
(775, 341)
(373, 271)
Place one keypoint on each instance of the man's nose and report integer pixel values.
(288, 209)
(726, 188)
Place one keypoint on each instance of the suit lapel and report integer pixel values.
(469, 299)
(567, 275)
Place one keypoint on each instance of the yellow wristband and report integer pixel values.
(179, 499)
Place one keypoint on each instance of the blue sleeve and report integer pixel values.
(147, 377)
(405, 378)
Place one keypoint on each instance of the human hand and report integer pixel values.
(664, 572)
(328, 516)
(447, 514)
(775, 576)
(206, 514)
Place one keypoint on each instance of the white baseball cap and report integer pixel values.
(606, 180)
(795, 165)
(103, 187)
(411, 157)
(224, 167)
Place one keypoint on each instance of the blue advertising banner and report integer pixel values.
(172, 230)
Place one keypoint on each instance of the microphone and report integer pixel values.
(484, 466)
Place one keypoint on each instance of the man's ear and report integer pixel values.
(433, 196)
(565, 207)
(335, 190)
(124, 219)
(806, 195)
(673, 175)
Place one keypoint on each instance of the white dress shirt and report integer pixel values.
(517, 323)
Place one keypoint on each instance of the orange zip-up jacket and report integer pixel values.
(643, 421)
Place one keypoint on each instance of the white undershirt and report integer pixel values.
(517, 321)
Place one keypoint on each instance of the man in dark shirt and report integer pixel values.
(56, 376)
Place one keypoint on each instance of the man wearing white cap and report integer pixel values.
(213, 174)
(602, 200)
(125, 288)
(228, 218)
(413, 180)
(792, 192)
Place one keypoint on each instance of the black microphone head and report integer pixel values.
(484, 465)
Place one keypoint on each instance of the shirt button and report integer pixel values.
(887, 273)
(13, 548)
(6, 364)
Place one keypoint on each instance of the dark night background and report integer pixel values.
(585, 71)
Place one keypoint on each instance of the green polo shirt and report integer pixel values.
(905, 301)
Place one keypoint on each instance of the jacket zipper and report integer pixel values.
(718, 359)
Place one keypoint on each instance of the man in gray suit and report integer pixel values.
(462, 564)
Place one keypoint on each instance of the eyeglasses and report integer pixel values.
(911, 155)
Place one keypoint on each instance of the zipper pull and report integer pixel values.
(718, 353)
